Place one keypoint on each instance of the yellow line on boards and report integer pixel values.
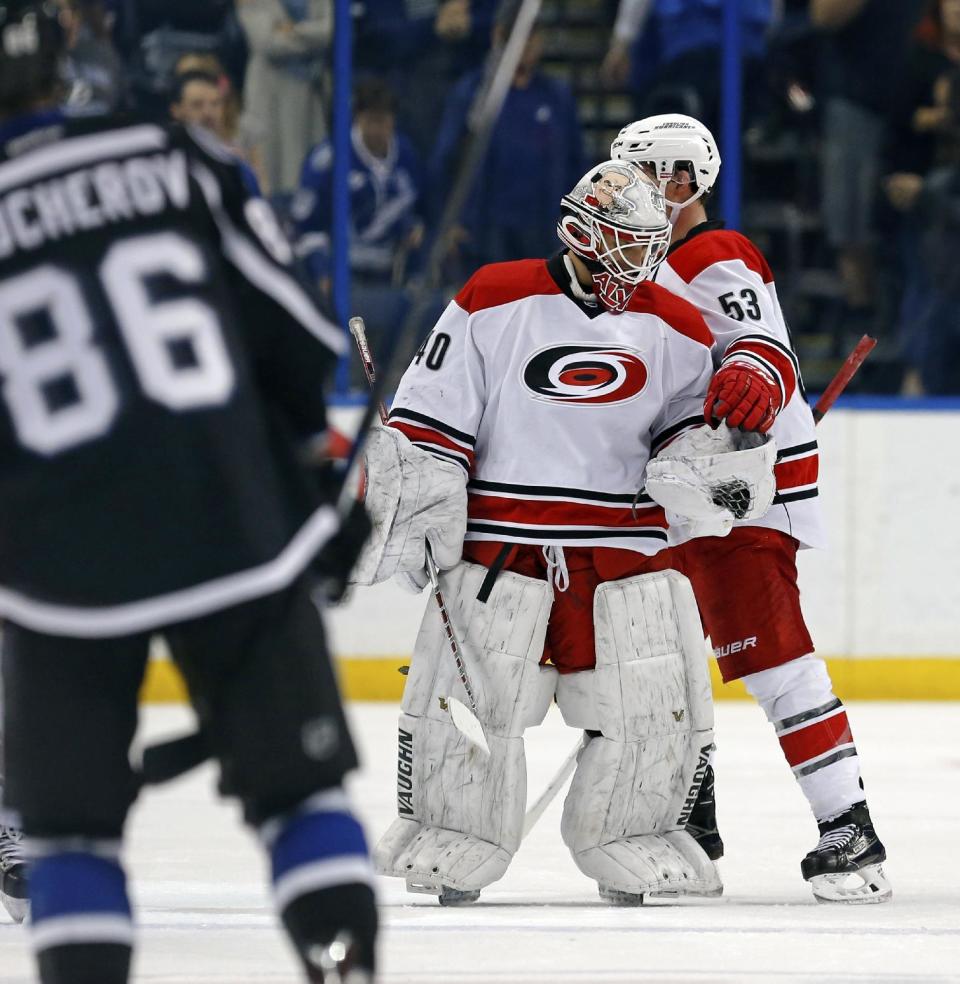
(868, 678)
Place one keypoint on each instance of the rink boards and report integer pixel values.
(883, 601)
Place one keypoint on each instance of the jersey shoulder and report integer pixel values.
(58, 142)
(673, 311)
(500, 283)
(700, 252)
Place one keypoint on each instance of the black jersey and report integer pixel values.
(161, 365)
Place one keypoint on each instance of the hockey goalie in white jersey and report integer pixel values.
(517, 441)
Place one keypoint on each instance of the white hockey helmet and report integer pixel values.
(615, 220)
(667, 145)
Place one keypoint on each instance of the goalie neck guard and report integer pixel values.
(615, 220)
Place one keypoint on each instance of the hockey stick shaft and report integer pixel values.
(537, 810)
(827, 399)
(846, 372)
(358, 330)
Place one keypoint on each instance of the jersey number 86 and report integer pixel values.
(59, 390)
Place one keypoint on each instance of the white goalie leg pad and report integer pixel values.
(412, 497)
(461, 815)
(650, 698)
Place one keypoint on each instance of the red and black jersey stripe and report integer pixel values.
(816, 738)
(543, 512)
(796, 471)
(775, 358)
(435, 436)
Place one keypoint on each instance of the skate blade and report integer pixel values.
(707, 893)
(423, 887)
(867, 886)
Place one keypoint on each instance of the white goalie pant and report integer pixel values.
(650, 698)
(461, 814)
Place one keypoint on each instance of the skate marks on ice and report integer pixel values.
(205, 917)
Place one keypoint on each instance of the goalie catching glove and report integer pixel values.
(706, 479)
(743, 395)
(413, 498)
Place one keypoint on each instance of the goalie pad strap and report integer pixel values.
(493, 571)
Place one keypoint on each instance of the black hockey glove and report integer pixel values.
(335, 562)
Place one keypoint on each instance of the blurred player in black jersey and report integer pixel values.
(161, 412)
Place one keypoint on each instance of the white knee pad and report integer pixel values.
(461, 815)
(650, 698)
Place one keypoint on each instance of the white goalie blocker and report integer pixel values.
(706, 479)
(650, 699)
(460, 813)
(412, 498)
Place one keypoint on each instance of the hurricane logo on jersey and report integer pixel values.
(590, 375)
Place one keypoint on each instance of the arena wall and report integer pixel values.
(883, 601)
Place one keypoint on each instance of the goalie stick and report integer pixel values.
(466, 720)
(834, 388)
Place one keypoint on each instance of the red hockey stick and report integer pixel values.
(847, 371)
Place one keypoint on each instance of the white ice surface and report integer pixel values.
(204, 914)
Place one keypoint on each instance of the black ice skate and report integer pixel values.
(613, 896)
(846, 865)
(454, 896)
(13, 874)
(702, 825)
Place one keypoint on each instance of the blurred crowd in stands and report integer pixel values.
(851, 139)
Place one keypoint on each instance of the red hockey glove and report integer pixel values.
(743, 396)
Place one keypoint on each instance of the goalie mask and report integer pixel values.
(669, 148)
(615, 220)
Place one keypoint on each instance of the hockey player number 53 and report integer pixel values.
(58, 386)
(748, 305)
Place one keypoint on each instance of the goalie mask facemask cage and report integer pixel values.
(615, 219)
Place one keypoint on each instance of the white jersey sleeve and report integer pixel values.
(441, 396)
(727, 278)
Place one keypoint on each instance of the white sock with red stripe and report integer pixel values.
(812, 727)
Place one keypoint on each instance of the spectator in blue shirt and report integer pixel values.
(386, 231)
(92, 69)
(385, 180)
(534, 158)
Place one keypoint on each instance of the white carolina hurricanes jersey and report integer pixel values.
(726, 277)
(553, 408)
